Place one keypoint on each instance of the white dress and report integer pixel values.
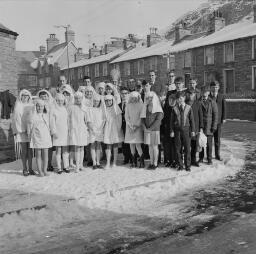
(78, 130)
(98, 121)
(113, 133)
(132, 117)
(60, 126)
(39, 130)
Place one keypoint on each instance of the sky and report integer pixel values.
(92, 20)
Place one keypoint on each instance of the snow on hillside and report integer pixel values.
(198, 20)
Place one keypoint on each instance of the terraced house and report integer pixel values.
(226, 54)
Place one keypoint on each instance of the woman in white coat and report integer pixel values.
(22, 108)
(60, 140)
(134, 131)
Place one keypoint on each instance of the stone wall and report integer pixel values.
(243, 110)
(7, 151)
(8, 63)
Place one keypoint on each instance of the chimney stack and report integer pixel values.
(51, 42)
(94, 51)
(153, 37)
(69, 35)
(42, 49)
(181, 31)
(217, 22)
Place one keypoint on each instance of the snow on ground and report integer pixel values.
(121, 189)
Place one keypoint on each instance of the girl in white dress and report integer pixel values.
(98, 117)
(21, 111)
(68, 92)
(79, 122)
(49, 105)
(134, 131)
(60, 125)
(39, 132)
(113, 134)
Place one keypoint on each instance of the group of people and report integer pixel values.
(99, 122)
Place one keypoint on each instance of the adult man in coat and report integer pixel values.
(158, 88)
(210, 121)
(220, 101)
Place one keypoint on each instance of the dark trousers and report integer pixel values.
(182, 144)
(169, 150)
(208, 149)
(194, 144)
(126, 152)
(217, 135)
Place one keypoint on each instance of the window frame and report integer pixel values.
(140, 70)
(104, 69)
(224, 51)
(127, 71)
(96, 70)
(205, 60)
(184, 63)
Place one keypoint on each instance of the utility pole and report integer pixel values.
(66, 29)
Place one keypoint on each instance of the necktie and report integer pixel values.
(181, 116)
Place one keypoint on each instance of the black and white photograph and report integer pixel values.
(128, 126)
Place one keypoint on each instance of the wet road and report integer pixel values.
(200, 212)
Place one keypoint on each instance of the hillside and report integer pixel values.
(198, 20)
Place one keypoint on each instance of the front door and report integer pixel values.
(229, 81)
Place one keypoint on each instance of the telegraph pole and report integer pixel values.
(66, 27)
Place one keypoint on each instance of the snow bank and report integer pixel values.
(122, 190)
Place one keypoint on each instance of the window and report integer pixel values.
(209, 77)
(253, 48)
(32, 80)
(41, 82)
(105, 69)
(187, 59)
(228, 52)
(127, 68)
(153, 63)
(97, 70)
(72, 74)
(86, 71)
(80, 73)
(253, 77)
(141, 66)
(47, 82)
(116, 66)
(209, 55)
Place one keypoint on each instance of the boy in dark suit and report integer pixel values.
(198, 117)
(210, 120)
(125, 147)
(220, 101)
(182, 127)
(168, 142)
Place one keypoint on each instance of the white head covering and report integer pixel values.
(115, 106)
(100, 85)
(81, 89)
(115, 92)
(135, 94)
(156, 104)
